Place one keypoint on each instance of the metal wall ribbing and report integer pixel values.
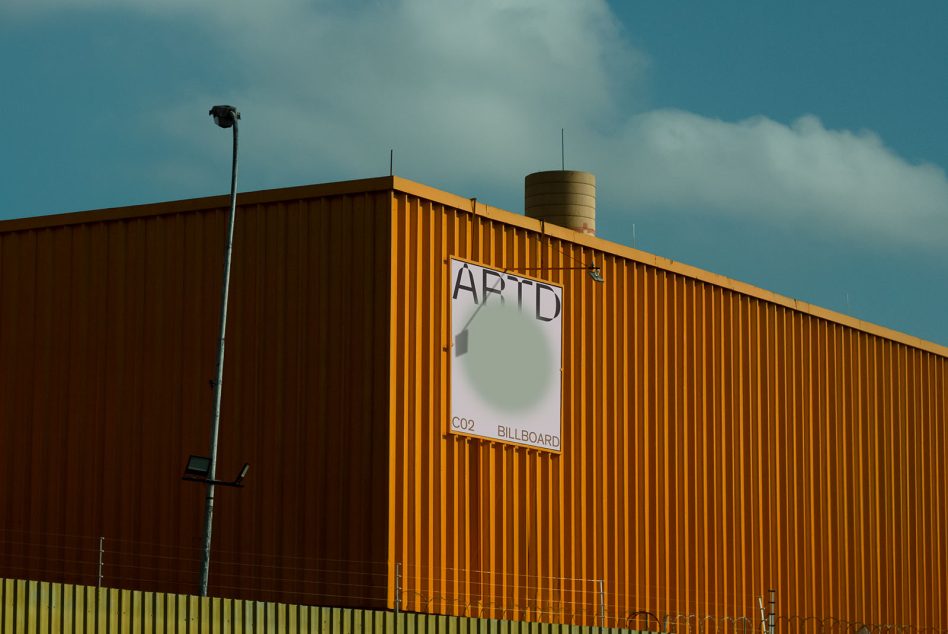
(715, 444)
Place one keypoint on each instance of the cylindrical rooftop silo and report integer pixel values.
(563, 197)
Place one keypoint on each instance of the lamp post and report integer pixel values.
(225, 117)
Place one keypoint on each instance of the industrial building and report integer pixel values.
(450, 408)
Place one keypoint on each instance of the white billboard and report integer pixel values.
(507, 333)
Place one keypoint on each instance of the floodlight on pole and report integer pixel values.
(198, 470)
(224, 117)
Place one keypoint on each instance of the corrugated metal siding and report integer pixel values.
(52, 608)
(715, 445)
(108, 339)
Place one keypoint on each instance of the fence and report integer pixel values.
(34, 607)
(117, 563)
(123, 568)
(500, 595)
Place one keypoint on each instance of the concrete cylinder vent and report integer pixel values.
(563, 197)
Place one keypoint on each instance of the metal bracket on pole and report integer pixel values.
(398, 587)
(602, 605)
(763, 618)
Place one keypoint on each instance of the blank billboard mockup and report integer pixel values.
(507, 333)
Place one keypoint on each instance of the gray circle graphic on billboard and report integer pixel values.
(508, 358)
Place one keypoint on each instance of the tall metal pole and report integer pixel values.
(219, 378)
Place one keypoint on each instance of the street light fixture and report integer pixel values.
(224, 117)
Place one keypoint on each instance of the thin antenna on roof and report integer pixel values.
(391, 162)
(633, 235)
(563, 149)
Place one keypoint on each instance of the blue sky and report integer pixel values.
(799, 146)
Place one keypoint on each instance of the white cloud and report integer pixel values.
(472, 95)
(462, 90)
(800, 173)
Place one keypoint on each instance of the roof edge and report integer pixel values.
(358, 186)
(476, 207)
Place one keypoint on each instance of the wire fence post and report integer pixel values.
(602, 606)
(398, 587)
(101, 561)
(771, 623)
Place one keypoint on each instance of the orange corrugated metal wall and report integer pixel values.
(715, 445)
(108, 334)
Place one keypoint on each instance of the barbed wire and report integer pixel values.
(419, 587)
(469, 571)
(676, 623)
(138, 547)
(486, 608)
